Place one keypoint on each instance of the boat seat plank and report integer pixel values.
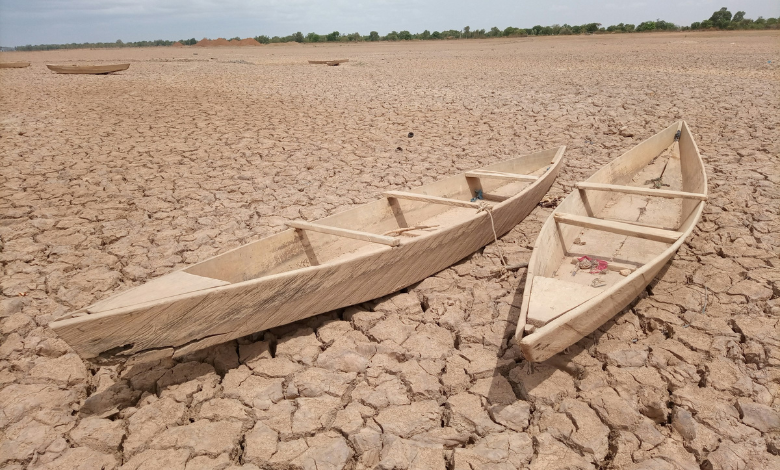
(640, 191)
(500, 176)
(346, 233)
(648, 233)
(431, 199)
(548, 303)
(172, 284)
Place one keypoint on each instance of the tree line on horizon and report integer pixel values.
(720, 20)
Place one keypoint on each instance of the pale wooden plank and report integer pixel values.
(647, 233)
(640, 191)
(346, 233)
(500, 176)
(551, 298)
(431, 199)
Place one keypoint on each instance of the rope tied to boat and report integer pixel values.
(485, 207)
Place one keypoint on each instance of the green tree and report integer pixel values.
(646, 26)
(313, 37)
(721, 18)
(738, 16)
(467, 32)
(373, 36)
(392, 36)
(405, 35)
(591, 27)
(298, 37)
(425, 34)
(263, 39)
(334, 36)
(494, 32)
(435, 35)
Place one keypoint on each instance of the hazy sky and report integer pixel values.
(62, 21)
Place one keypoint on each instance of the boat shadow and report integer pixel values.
(532, 380)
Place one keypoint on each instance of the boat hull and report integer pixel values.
(565, 330)
(177, 326)
(88, 69)
(14, 65)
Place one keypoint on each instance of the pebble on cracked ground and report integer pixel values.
(110, 181)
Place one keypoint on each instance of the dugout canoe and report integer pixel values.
(89, 69)
(314, 267)
(328, 62)
(14, 65)
(632, 215)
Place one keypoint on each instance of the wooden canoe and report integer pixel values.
(329, 62)
(618, 215)
(14, 65)
(314, 267)
(89, 69)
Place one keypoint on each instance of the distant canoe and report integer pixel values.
(89, 69)
(14, 65)
(328, 62)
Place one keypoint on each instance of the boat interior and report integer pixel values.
(623, 217)
(397, 218)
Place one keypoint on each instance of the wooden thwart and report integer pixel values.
(346, 233)
(500, 176)
(431, 199)
(648, 233)
(641, 191)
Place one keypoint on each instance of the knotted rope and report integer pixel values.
(485, 207)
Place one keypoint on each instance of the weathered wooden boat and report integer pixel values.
(351, 257)
(626, 221)
(89, 69)
(14, 65)
(329, 62)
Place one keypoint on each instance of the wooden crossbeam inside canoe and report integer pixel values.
(640, 191)
(500, 176)
(346, 233)
(648, 233)
(431, 199)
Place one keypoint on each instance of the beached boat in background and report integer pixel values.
(351, 257)
(14, 65)
(329, 62)
(631, 216)
(89, 69)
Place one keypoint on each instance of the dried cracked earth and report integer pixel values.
(110, 181)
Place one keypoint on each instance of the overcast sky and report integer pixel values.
(63, 21)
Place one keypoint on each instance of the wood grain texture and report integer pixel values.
(431, 199)
(621, 228)
(500, 176)
(642, 191)
(195, 320)
(555, 241)
(88, 69)
(342, 232)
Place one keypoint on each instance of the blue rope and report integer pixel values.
(478, 196)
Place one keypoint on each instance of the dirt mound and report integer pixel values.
(248, 42)
(177, 44)
(224, 42)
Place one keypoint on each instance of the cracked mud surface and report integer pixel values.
(110, 181)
